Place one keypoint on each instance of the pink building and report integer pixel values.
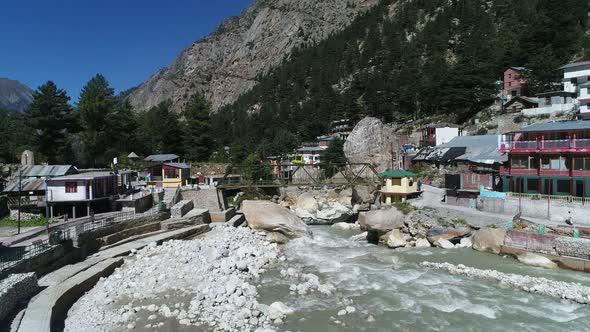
(513, 84)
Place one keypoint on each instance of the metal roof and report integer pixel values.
(481, 149)
(310, 149)
(575, 64)
(557, 126)
(178, 165)
(396, 173)
(27, 184)
(84, 176)
(161, 157)
(132, 155)
(47, 170)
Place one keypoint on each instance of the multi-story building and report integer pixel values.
(513, 82)
(439, 133)
(576, 79)
(548, 158)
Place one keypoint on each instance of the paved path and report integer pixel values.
(432, 197)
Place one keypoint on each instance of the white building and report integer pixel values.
(309, 155)
(576, 77)
(78, 192)
(446, 134)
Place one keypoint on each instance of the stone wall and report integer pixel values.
(549, 244)
(181, 208)
(139, 204)
(16, 289)
(46, 261)
(202, 198)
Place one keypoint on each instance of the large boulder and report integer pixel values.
(308, 202)
(395, 239)
(363, 194)
(370, 142)
(381, 220)
(270, 217)
(449, 234)
(422, 243)
(532, 259)
(489, 239)
(445, 244)
(345, 198)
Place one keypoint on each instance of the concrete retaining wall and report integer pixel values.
(15, 290)
(203, 198)
(549, 244)
(181, 208)
(138, 205)
(557, 211)
(47, 261)
(126, 233)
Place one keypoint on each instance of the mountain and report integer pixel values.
(407, 61)
(229, 61)
(14, 95)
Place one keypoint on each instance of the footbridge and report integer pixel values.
(285, 175)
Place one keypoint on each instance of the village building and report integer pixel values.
(548, 158)
(519, 103)
(440, 133)
(77, 195)
(324, 141)
(168, 175)
(398, 186)
(551, 103)
(308, 155)
(341, 128)
(162, 158)
(514, 82)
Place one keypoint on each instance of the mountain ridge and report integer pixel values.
(14, 95)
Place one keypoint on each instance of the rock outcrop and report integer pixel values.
(14, 95)
(226, 63)
(489, 239)
(270, 217)
(372, 142)
(380, 222)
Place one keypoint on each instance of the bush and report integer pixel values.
(404, 208)
(9, 222)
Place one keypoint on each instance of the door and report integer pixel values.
(580, 188)
(547, 187)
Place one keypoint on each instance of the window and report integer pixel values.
(582, 164)
(557, 163)
(514, 93)
(526, 162)
(71, 187)
(533, 185)
(563, 186)
(396, 182)
(170, 174)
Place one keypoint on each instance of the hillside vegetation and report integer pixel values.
(406, 60)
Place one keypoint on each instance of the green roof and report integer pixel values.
(396, 173)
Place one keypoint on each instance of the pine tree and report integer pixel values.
(50, 116)
(97, 106)
(160, 130)
(198, 142)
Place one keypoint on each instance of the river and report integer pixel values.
(399, 295)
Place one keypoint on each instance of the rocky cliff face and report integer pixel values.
(226, 63)
(14, 95)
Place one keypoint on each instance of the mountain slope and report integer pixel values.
(228, 62)
(407, 60)
(14, 95)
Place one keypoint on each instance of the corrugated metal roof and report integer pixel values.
(47, 170)
(396, 173)
(161, 157)
(481, 149)
(178, 165)
(27, 184)
(575, 64)
(83, 176)
(310, 149)
(557, 126)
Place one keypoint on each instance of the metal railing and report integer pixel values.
(578, 143)
(560, 198)
(13, 256)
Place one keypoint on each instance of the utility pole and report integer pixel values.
(19, 196)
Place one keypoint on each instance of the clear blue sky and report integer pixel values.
(69, 41)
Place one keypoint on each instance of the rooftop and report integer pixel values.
(310, 149)
(47, 170)
(396, 173)
(178, 165)
(85, 176)
(557, 126)
(481, 149)
(161, 157)
(581, 62)
(28, 184)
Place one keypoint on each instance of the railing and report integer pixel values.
(556, 144)
(560, 198)
(17, 255)
(578, 143)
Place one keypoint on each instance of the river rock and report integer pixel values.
(279, 310)
(346, 226)
(345, 198)
(276, 237)
(395, 239)
(360, 237)
(447, 233)
(270, 217)
(465, 243)
(381, 220)
(445, 244)
(363, 194)
(422, 243)
(489, 239)
(308, 202)
(533, 259)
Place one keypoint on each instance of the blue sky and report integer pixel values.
(69, 41)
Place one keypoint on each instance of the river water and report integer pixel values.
(399, 295)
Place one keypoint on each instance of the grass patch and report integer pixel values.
(404, 208)
(9, 222)
(459, 221)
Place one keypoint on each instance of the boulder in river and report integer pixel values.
(422, 243)
(449, 234)
(443, 243)
(270, 217)
(380, 222)
(489, 239)
(307, 202)
(395, 239)
(533, 259)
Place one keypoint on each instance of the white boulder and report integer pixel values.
(270, 217)
(533, 259)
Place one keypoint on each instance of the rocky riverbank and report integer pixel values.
(565, 290)
(215, 274)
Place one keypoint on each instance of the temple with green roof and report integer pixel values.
(398, 186)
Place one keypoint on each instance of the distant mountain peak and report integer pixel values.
(14, 95)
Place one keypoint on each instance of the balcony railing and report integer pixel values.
(540, 145)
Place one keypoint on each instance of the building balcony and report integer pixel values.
(562, 145)
(548, 110)
(518, 171)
